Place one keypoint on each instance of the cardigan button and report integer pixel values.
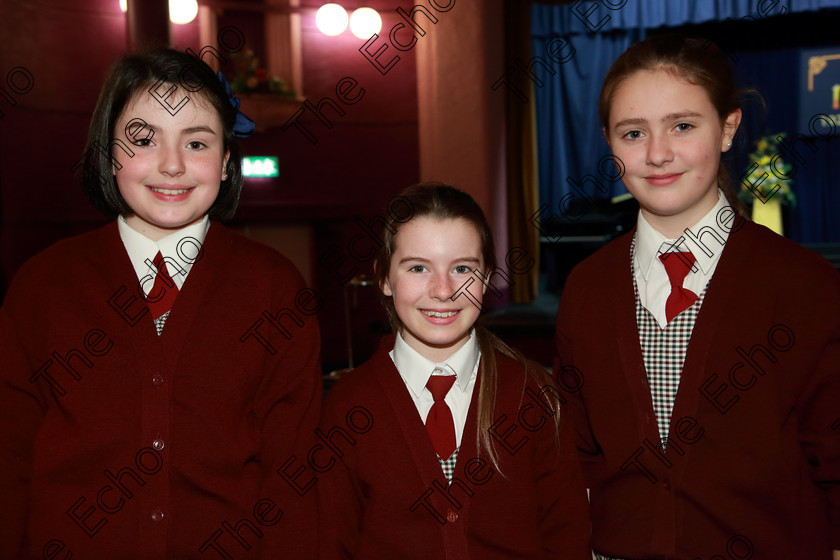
(451, 515)
(158, 444)
(157, 515)
(157, 380)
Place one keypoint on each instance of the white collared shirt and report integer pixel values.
(416, 370)
(180, 247)
(706, 240)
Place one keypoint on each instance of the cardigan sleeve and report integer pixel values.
(818, 407)
(563, 506)
(21, 414)
(567, 316)
(287, 408)
(339, 497)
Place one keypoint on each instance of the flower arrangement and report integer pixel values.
(773, 169)
(249, 77)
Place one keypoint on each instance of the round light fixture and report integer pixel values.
(365, 22)
(182, 11)
(331, 19)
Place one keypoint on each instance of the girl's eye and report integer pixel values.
(142, 142)
(633, 134)
(417, 268)
(196, 145)
(463, 269)
(682, 127)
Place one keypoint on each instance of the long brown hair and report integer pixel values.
(442, 202)
(699, 62)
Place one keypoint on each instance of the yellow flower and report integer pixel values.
(765, 160)
(762, 145)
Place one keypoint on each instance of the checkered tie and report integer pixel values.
(439, 422)
(162, 295)
(677, 265)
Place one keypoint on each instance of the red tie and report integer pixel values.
(162, 296)
(439, 422)
(677, 266)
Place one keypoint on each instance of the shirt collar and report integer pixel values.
(176, 246)
(416, 369)
(649, 241)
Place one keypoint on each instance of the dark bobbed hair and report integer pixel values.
(440, 202)
(138, 72)
(697, 61)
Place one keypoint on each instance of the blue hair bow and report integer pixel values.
(243, 127)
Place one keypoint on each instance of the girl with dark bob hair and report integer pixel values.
(145, 413)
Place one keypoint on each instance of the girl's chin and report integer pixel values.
(171, 222)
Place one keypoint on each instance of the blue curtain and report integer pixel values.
(570, 143)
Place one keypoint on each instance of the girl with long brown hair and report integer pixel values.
(492, 473)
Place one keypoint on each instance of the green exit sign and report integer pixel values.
(260, 166)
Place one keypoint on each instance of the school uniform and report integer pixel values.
(119, 442)
(716, 435)
(383, 492)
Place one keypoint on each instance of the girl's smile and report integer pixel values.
(663, 179)
(171, 193)
(433, 261)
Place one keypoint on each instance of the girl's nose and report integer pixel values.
(442, 286)
(659, 150)
(171, 161)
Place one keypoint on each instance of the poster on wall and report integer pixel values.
(819, 99)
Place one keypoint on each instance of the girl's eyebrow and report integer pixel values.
(194, 129)
(631, 121)
(424, 260)
(681, 115)
(191, 130)
(668, 117)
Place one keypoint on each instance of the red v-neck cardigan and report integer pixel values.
(386, 497)
(192, 425)
(753, 461)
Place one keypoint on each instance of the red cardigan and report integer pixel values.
(385, 497)
(117, 443)
(754, 450)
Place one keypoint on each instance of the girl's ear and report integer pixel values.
(384, 285)
(730, 127)
(386, 288)
(486, 281)
(224, 165)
